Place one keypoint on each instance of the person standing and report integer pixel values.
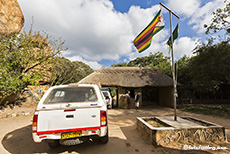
(128, 99)
(137, 100)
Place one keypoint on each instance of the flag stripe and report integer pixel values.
(147, 31)
(143, 41)
(144, 48)
(145, 35)
(156, 30)
(148, 37)
(152, 23)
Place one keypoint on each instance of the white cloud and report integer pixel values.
(93, 30)
(184, 7)
(137, 14)
(204, 15)
(93, 64)
(184, 46)
(197, 14)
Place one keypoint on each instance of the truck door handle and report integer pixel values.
(69, 116)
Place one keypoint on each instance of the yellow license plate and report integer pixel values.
(71, 135)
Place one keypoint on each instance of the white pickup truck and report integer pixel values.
(70, 114)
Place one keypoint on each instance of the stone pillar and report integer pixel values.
(139, 91)
(121, 98)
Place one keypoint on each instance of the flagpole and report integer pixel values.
(173, 69)
(169, 10)
(173, 65)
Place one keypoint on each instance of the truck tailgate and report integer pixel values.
(65, 120)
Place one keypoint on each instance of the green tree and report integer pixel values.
(120, 65)
(211, 67)
(220, 20)
(64, 71)
(157, 60)
(24, 59)
(182, 73)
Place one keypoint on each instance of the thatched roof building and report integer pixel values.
(154, 87)
(129, 77)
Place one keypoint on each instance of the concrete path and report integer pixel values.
(180, 123)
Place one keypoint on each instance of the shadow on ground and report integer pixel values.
(20, 141)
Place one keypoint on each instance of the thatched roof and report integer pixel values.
(128, 77)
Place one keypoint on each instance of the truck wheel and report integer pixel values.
(54, 144)
(105, 139)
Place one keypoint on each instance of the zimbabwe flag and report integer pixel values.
(143, 40)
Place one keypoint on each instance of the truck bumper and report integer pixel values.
(57, 136)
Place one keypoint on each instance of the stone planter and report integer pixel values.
(185, 129)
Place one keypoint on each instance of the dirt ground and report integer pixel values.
(124, 138)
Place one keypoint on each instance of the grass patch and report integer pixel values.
(217, 111)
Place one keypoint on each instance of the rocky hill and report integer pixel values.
(11, 17)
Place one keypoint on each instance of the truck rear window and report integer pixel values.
(73, 94)
(105, 94)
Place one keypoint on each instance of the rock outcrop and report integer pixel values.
(11, 17)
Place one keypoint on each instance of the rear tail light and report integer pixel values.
(103, 119)
(93, 131)
(34, 124)
(108, 100)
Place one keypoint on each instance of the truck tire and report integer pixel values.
(105, 139)
(54, 144)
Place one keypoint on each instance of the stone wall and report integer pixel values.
(190, 135)
(166, 135)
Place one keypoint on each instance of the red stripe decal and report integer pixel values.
(69, 110)
(40, 137)
(66, 130)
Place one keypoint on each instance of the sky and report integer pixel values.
(100, 32)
